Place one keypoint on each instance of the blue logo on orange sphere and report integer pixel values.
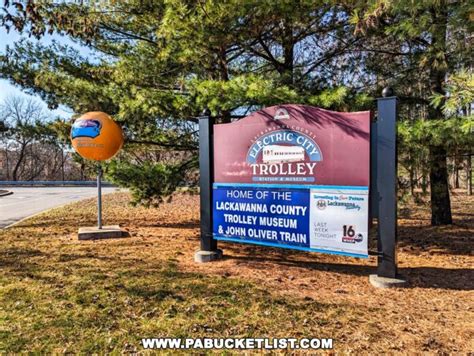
(86, 128)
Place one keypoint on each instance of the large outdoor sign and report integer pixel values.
(294, 176)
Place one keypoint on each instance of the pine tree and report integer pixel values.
(418, 45)
(155, 65)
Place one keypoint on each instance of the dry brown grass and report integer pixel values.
(60, 294)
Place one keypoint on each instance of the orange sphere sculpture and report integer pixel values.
(95, 135)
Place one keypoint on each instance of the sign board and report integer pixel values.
(294, 176)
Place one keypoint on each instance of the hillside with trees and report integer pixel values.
(31, 147)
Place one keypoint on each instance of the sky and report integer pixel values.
(5, 87)
(8, 89)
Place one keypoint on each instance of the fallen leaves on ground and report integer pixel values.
(59, 294)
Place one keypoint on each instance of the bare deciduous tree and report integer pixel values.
(30, 146)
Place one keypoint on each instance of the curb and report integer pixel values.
(4, 193)
(18, 222)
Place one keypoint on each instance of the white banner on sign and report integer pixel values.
(339, 220)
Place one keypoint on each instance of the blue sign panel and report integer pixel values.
(267, 216)
(310, 218)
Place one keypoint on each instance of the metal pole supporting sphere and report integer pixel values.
(99, 196)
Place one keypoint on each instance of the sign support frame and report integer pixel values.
(386, 182)
(208, 245)
(384, 190)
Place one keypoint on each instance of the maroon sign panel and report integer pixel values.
(294, 144)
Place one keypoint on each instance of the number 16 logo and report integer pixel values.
(348, 231)
(349, 234)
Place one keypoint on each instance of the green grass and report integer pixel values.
(58, 294)
(83, 302)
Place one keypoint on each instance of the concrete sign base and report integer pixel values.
(383, 282)
(207, 256)
(107, 232)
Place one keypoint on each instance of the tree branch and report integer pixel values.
(175, 147)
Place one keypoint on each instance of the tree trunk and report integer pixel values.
(440, 201)
(412, 177)
(288, 45)
(225, 115)
(7, 176)
(423, 183)
(469, 174)
(19, 162)
(62, 163)
(456, 173)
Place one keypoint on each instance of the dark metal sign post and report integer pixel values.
(209, 251)
(384, 192)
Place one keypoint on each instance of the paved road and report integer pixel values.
(26, 201)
